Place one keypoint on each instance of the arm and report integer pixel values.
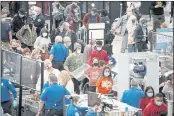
(81, 108)
(67, 63)
(165, 89)
(106, 58)
(10, 35)
(41, 105)
(142, 104)
(98, 84)
(146, 111)
(118, 23)
(12, 89)
(85, 18)
(123, 97)
(52, 52)
(66, 11)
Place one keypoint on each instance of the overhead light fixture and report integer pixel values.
(93, 5)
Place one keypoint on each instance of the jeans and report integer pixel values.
(124, 43)
(131, 48)
(158, 17)
(58, 65)
(6, 106)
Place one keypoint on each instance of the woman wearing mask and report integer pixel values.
(104, 84)
(43, 39)
(73, 109)
(66, 81)
(27, 35)
(131, 25)
(149, 95)
(92, 74)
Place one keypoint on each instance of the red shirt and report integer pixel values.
(153, 110)
(100, 55)
(144, 102)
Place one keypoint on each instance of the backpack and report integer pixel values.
(139, 70)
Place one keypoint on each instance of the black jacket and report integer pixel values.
(54, 33)
(39, 23)
(158, 11)
(17, 23)
(138, 34)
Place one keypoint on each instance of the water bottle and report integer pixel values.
(15, 103)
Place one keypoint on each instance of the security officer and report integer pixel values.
(52, 98)
(6, 87)
(39, 20)
(18, 21)
(59, 53)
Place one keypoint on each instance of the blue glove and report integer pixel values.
(15, 103)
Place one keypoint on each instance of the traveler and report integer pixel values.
(27, 52)
(27, 35)
(140, 35)
(18, 21)
(99, 53)
(67, 43)
(133, 95)
(105, 82)
(149, 95)
(75, 60)
(91, 17)
(14, 46)
(43, 40)
(155, 107)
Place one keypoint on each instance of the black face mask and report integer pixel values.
(14, 48)
(95, 64)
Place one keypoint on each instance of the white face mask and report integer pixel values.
(44, 34)
(78, 51)
(106, 74)
(99, 48)
(158, 103)
(149, 94)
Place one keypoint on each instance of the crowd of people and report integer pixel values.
(63, 53)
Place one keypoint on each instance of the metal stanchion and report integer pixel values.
(170, 108)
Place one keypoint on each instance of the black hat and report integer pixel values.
(30, 21)
(22, 11)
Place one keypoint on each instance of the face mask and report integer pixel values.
(106, 74)
(20, 15)
(44, 34)
(158, 103)
(93, 14)
(14, 48)
(95, 64)
(149, 94)
(78, 51)
(145, 25)
(99, 48)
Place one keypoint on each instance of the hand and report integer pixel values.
(15, 103)
(157, 6)
(38, 114)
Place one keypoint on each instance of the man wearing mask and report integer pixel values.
(39, 20)
(122, 22)
(140, 35)
(59, 53)
(99, 53)
(18, 21)
(155, 107)
(75, 60)
(14, 46)
(67, 43)
(91, 17)
(133, 95)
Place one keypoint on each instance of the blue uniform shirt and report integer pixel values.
(132, 97)
(59, 51)
(75, 110)
(52, 95)
(6, 87)
(45, 85)
(92, 113)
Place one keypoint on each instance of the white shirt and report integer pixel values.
(46, 75)
(41, 42)
(70, 86)
(132, 4)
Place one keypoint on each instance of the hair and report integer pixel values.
(134, 82)
(102, 63)
(44, 30)
(97, 103)
(99, 43)
(58, 39)
(53, 78)
(156, 24)
(26, 50)
(35, 52)
(148, 88)
(104, 13)
(107, 67)
(64, 75)
(159, 95)
(93, 61)
(66, 39)
(75, 99)
(13, 40)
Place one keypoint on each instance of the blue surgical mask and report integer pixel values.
(93, 14)
(158, 103)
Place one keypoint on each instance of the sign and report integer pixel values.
(164, 40)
